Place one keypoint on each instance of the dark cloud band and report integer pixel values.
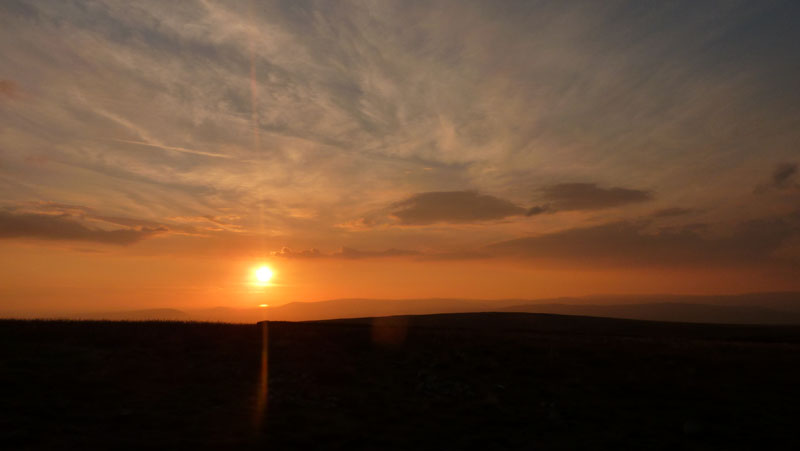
(58, 227)
(588, 196)
(453, 207)
(635, 243)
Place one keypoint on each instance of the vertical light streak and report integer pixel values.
(263, 378)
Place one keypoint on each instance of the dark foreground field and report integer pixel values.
(477, 381)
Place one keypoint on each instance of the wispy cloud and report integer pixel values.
(784, 174)
(671, 212)
(176, 149)
(784, 179)
(61, 228)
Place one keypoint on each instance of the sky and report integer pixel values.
(155, 153)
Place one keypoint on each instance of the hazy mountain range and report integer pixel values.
(753, 308)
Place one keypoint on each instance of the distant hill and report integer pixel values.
(349, 308)
(756, 308)
(752, 308)
(785, 301)
(344, 308)
(163, 314)
(669, 311)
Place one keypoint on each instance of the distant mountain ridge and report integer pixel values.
(750, 308)
(164, 314)
(669, 311)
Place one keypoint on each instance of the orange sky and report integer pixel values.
(153, 154)
(50, 279)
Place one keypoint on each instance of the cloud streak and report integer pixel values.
(783, 174)
(176, 149)
(453, 207)
(346, 253)
(782, 180)
(61, 228)
(586, 196)
(637, 243)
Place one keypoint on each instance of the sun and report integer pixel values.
(263, 274)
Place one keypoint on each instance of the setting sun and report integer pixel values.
(263, 274)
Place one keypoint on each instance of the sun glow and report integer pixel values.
(263, 274)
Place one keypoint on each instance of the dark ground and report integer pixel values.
(474, 381)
